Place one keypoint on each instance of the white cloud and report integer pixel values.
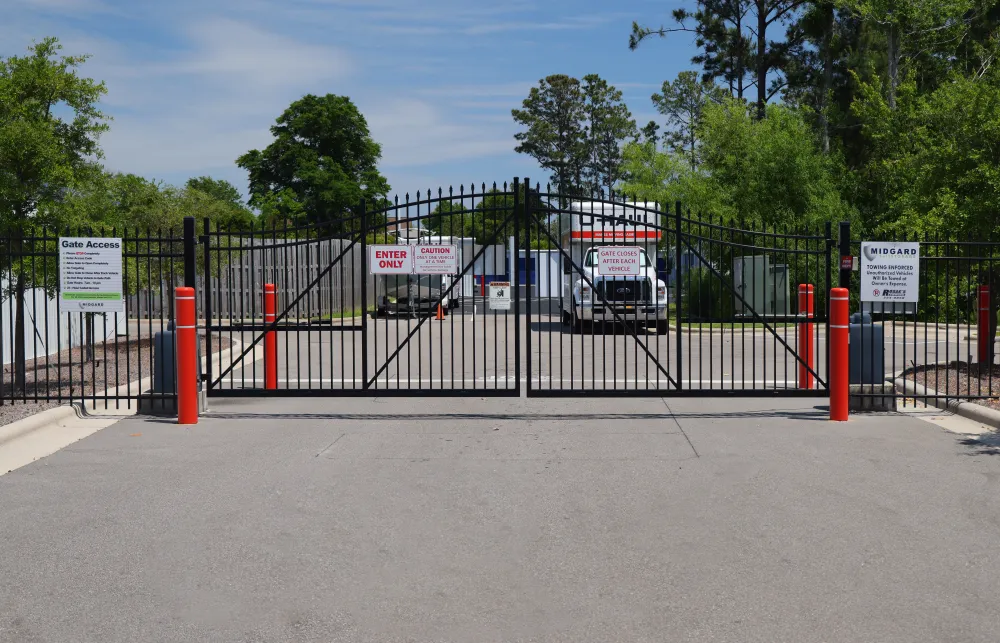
(239, 52)
(413, 133)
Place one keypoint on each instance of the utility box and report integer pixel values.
(165, 375)
(867, 350)
(762, 286)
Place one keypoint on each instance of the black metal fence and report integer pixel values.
(713, 307)
(102, 359)
(936, 351)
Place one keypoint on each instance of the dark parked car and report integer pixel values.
(416, 295)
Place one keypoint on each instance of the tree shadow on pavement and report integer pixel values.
(988, 444)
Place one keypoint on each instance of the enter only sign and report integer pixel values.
(619, 260)
(390, 260)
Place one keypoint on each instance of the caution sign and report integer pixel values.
(499, 295)
(90, 275)
(890, 271)
(619, 260)
(435, 260)
(390, 260)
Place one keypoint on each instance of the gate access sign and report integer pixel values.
(413, 260)
(890, 271)
(619, 260)
(90, 275)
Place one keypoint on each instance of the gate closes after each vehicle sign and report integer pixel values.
(499, 295)
(619, 260)
(390, 260)
(435, 260)
(890, 271)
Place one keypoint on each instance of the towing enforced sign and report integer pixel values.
(890, 271)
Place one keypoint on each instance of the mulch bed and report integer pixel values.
(960, 379)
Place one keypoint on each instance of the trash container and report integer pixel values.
(165, 361)
(867, 350)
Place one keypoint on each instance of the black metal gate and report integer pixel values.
(700, 308)
(342, 330)
(694, 306)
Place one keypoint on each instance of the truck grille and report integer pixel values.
(625, 292)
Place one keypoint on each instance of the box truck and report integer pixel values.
(590, 296)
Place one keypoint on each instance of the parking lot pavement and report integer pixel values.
(506, 520)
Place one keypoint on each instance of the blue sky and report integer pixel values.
(192, 84)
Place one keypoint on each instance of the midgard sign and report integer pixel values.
(890, 271)
(90, 275)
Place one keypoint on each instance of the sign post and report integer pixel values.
(90, 275)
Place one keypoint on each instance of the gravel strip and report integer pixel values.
(961, 379)
(70, 375)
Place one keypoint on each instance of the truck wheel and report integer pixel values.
(566, 319)
(576, 324)
(662, 326)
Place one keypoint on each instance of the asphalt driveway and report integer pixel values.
(506, 520)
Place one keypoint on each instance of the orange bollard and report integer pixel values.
(807, 351)
(270, 341)
(984, 324)
(185, 330)
(840, 307)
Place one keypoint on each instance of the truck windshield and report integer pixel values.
(592, 261)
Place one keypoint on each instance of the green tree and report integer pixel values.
(683, 101)
(666, 177)
(219, 201)
(553, 114)
(449, 218)
(609, 123)
(771, 170)
(934, 167)
(719, 27)
(323, 159)
(49, 133)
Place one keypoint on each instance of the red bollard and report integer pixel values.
(270, 341)
(185, 332)
(984, 325)
(807, 352)
(840, 307)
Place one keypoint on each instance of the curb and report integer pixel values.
(968, 410)
(40, 420)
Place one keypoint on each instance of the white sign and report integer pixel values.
(890, 271)
(499, 295)
(435, 260)
(619, 260)
(390, 260)
(90, 275)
